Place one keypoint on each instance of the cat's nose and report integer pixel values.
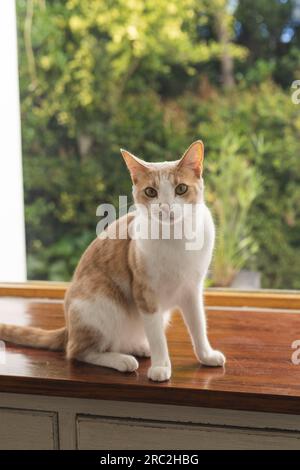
(165, 208)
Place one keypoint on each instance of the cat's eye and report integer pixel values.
(181, 189)
(150, 192)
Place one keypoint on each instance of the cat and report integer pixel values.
(125, 288)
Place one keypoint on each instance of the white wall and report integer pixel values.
(12, 233)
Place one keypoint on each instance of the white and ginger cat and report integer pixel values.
(124, 289)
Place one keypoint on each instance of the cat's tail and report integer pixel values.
(55, 340)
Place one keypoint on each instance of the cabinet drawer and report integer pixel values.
(27, 429)
(95, 432)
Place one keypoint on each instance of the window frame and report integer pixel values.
(12, 247)
(230, 298)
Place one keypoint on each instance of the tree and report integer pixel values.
(270, 29)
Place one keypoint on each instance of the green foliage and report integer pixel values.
(264, 126)
(270, 30)
(144, 75)
(57, 190)
(234, 184)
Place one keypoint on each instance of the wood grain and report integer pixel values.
(287, 300)
(259, 374)
(34, 289)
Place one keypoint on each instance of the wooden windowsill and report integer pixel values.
(286, 300)
(259, 374)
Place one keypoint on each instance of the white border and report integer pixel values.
(12, 228)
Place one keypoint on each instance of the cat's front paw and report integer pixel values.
(213, 358)
(127, 363)
(159, 373)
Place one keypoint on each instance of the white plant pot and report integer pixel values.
(247, 280)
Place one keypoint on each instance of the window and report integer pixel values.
(97, 76)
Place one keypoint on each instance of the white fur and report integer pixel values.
(119, 331)
(177, 281)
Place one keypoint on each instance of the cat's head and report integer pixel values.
(168, 185)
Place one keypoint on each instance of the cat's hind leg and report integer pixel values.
(93, 335)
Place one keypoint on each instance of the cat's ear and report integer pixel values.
(135, 165)
(193, 158)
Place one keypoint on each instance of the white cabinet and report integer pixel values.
(27, 429)
(44, 422)
(107, 433)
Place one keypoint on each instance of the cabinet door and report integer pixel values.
(26, 429)
(120, 433)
